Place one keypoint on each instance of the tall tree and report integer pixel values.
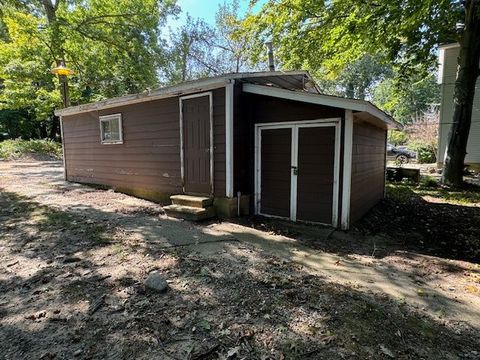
(331, 34)
(355, 80)
(189, 55)
(408, 98)
(112, 45)
(198, 49)
(464, 92)
(232, 50)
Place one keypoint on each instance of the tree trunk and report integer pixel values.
(350, 91)
(54, 127)
(42, 130)
(464, 92)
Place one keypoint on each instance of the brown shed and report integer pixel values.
(267, 143)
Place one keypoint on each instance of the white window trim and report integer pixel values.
(120, 128)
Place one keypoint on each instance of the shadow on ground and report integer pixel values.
(71, 285)
(403, 221)
(431, 226)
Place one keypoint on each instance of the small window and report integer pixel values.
(111, 129)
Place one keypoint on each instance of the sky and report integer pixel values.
(205, 9)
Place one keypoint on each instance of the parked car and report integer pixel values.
(400, 154)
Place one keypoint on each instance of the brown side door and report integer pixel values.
(316, 154)
(275, 175)
(196, 145)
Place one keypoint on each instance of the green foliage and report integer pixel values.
(112, 45)
(426, 154)
(199, 50)
(329, 35)
(14, 149)
(346, 45)
(402, 192)
(189, 55)
(17, 123)
(397, 137)
(356, 80)
(428, 182)
(407, 99)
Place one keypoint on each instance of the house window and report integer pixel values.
(111, 129)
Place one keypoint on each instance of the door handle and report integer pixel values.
(295, 170)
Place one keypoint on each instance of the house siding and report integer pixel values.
(368, 168)
(147, 164)
(265, 109)
(219, 170)
(448, 73)
(251, 109)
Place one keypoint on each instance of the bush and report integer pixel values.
(18, 148)
(426, 154)
(428, 181)
(396, 137)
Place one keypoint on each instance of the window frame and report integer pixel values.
(109, 118)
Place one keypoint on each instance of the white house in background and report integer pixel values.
(446, 78)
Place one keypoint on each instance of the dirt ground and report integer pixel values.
(74, 259)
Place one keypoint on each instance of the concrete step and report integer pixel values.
(190, 200)
(189, 212)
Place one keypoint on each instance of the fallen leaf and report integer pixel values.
(387, 351)
(472, 289)
(420, 292)
(205, 324)
(204, 271)
(233, 351)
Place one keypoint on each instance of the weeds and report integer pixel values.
(14, 149)
(429, 187)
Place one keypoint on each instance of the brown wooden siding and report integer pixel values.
(149, 158)
(316, 154)
(242, 141)
(276, 170)
(268, 109)
(219, 178)
(253, 109)
(368, 168)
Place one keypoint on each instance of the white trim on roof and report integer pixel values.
(185, 88)
(448, 46)
(320, 99)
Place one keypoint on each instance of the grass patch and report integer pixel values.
(403, 192)
(18, 148)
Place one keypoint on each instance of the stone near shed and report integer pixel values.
(156, 282)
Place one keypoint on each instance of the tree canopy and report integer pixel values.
(113, 45)
(326, 36)
(198, 49)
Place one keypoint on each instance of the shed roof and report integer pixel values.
(294, 85)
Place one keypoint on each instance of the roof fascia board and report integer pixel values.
(319, 99)
(449, 45)
(303, 97)
(173, 91)
(266, 73)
